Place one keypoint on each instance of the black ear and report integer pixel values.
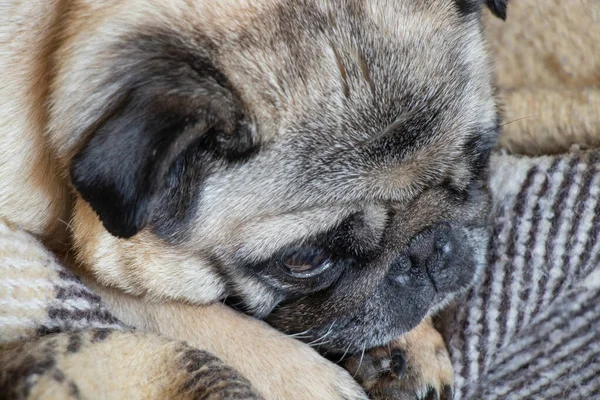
(165, 108)
(498, 7)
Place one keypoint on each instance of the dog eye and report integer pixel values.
(305, 263)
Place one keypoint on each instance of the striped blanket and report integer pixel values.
(529, 329)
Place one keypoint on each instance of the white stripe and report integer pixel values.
(522, 235)
(22, 283)
(510, 358)
(554, 367)
(12, 322)
(16, 304)
(539, 249)
(73, 304)
(559, 271)
(498, 272)
(586, 226)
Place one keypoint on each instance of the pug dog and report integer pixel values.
(319, 165)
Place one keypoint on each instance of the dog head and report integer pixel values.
(320, 164)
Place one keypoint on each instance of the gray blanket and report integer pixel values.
(531, 328)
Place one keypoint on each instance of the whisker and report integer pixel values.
(361, 359)
(300, 335)
(319, 344)
(67, 224)
(508, 122)
(518, 119)
(346, 352)
(326, 333)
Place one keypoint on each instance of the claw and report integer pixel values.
(432, 394)
(448, 393)
(398, 364)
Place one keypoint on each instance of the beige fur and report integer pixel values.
(259, 355)
(108, 360)
(548, 64)
(138, 264)
(52, 73)
(148, 367)
(427, 364)
(548, 75)
(32, 194)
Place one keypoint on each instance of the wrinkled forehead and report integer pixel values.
(354, 65)
(379, 96)
(355, 104)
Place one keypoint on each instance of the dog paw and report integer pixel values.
(309, 376)
(415, 366)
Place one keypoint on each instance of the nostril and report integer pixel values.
(402, 264)
(446, 249)
(442, 239)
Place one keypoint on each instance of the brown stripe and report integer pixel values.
(74, 343)
(536, 345)
(584, 262)
(531, 240)
(67, 276)
(520, 378)
(77, 292)
(582, 196)
(486, 289)
(583, 349)
(45, 330)
(211, 378)
(225, 384)
(74, 390)
(557, 209)
(101, 334)
(93, 314)
(513, 237)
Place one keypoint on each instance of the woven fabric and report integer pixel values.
(530, 329)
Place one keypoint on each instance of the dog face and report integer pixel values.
(320, 164)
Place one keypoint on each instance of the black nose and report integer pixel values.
(430, 252)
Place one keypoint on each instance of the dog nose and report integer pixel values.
(429, 251)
